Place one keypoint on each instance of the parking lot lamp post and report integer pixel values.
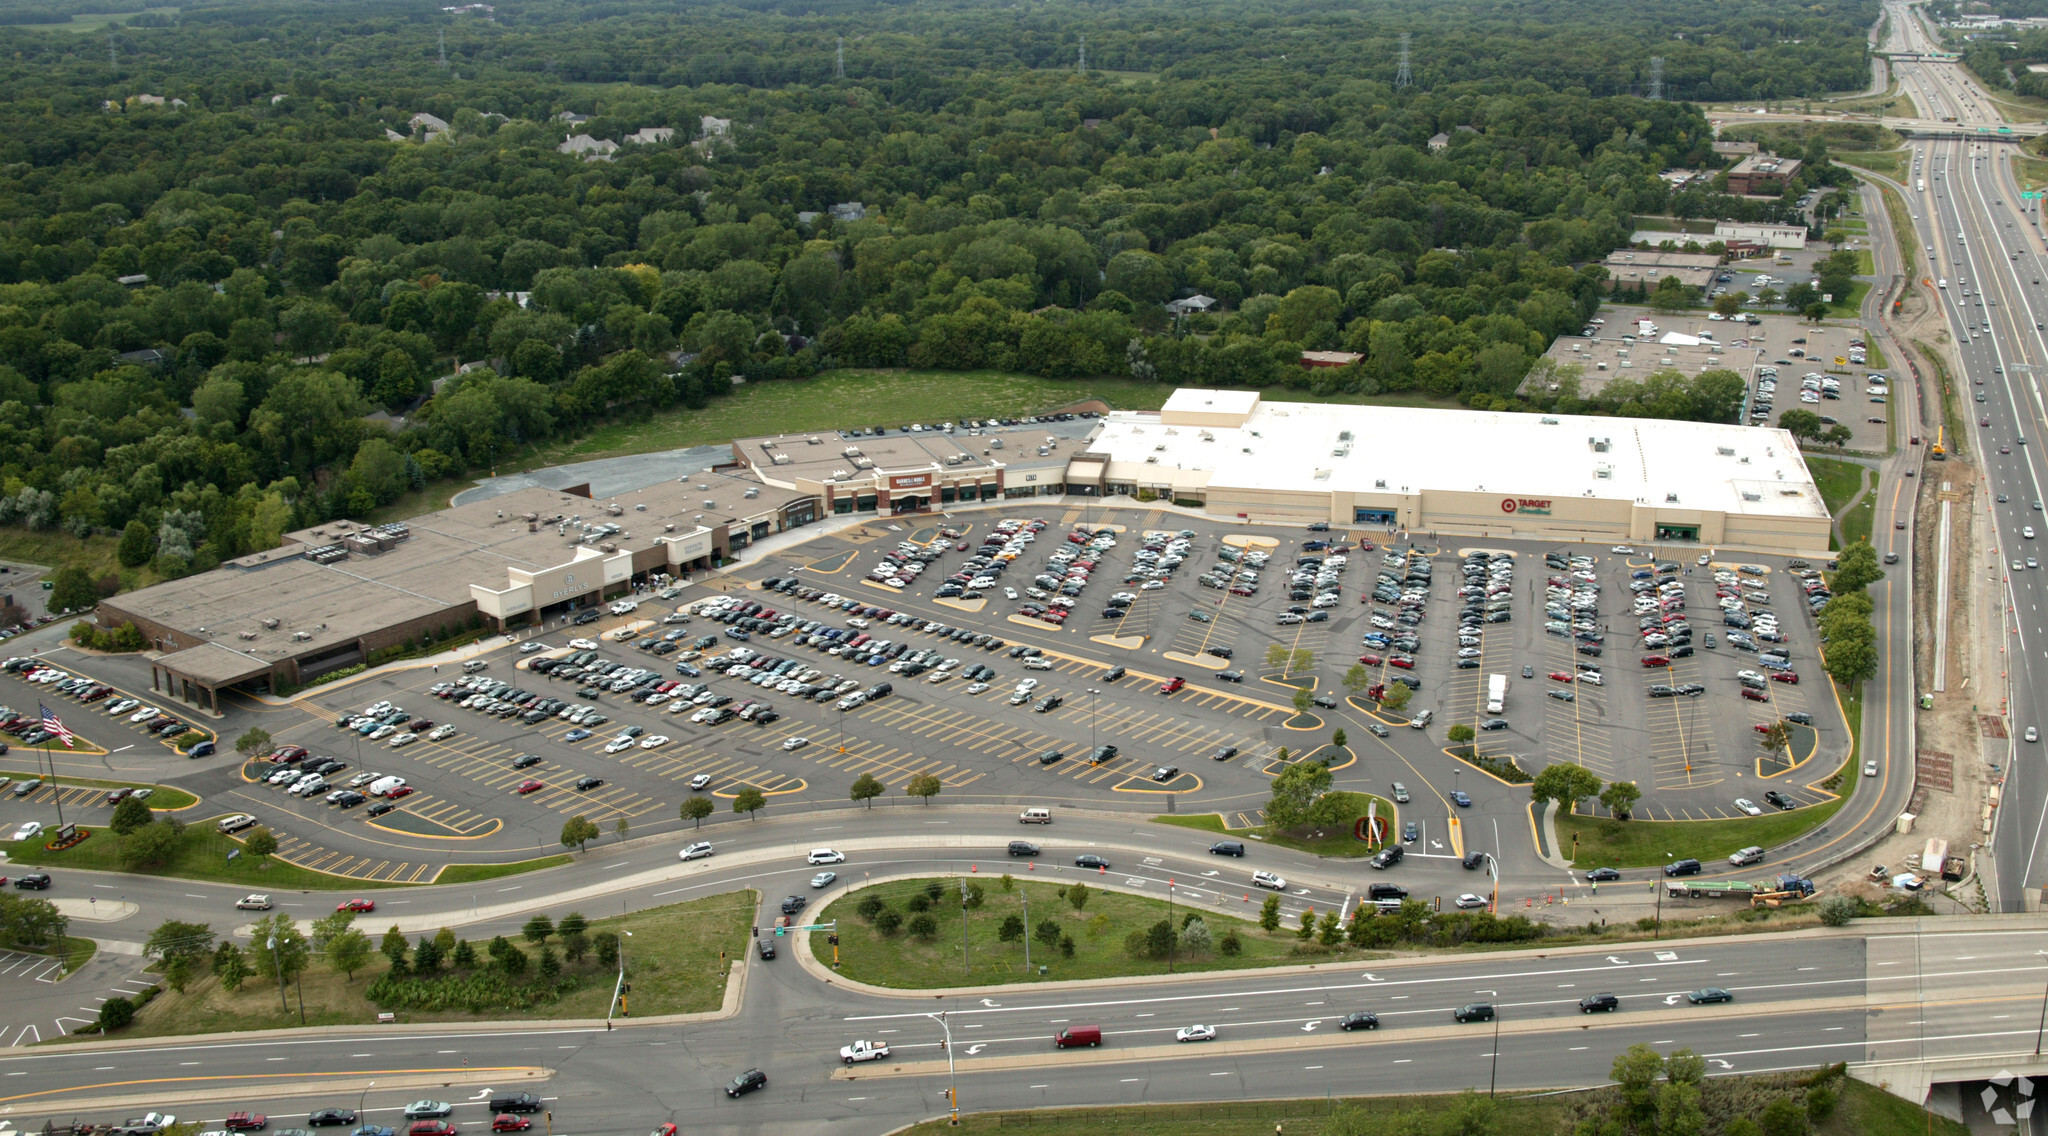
(1092, 693)
(278, 965)
(361, 1096)
(1027, 936)
(1170, 926)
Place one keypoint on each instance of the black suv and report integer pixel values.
(1023, 848)
(1386, 891)
(747, 1082)
(1390, 856)
(1474, 1012)
(34, 881)
(515, 1102)
(1687, 867)
(1227, 848)
(1596, 1003)
(793, 904)
(1359, 1019)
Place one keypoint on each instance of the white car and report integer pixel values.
(584, 644)
(700, 781)
(795, 743)
(1027, 685)
(362, 779)
(255, 902)
(282, 776)
(1268, 880)
(1623, 550)
(440, 732)
(123, 706)
(976, 687)
(824, 879)
(1870, 769)
(1468, 900)
(655, 741)
(618, 744)
(695, 851)
(382, 732)
(28, 831)
(825, 856)
(143, 715)
(1748, 807)
(402, 740)
(1195, 1033)
(624, 606)
(529, 648)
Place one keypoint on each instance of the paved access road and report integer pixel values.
(1887, 993)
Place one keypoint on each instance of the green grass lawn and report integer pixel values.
(904, 961)
(1856, 523)
(1866, 265)
(93, 21)
(1605, 843)
(203, 855)
(1837, 480)
(873, 397)
(1853, 302)
(164, 796)
(672, 961)
(57, 549)
(1902, 226)
(1341, 843)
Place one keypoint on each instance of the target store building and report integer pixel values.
(1460, 473)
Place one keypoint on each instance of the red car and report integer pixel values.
(1560, 676)
(664, 1130)
(1762, 727)
(430, 1128)
(529, 786)
(1172, 684)
(1370, 660)
(1755, 695)
(1786, 676)
(360, 906)
(283, 754)
(1656, 661)
(114, 796)
(1405, 662)
(245, 1121)
(507, 1122)
(401, 791)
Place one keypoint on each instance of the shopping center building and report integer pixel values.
(1461, 473)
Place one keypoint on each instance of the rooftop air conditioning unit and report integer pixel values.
(1343, 435)
(749, 495)
(1380, 484)
(669, 527)
(1161, 447)
(1548, 421)
(814, 440)
(301, 636)
(245, 635)
(711, 504)
(1151, 459)
(640, 508)
(1725, 451)
(1671, 498)
(270, 624)
(1748, 496)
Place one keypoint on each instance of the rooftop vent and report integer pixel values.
(1749, 496)
(270, 624)
(1725, 451)
(1380, 484)
(1548, 421)
(1671, 498)
(749, 495)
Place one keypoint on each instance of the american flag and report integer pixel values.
(55, 725)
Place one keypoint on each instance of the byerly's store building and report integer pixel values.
(1462, 473)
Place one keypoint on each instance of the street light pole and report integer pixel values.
(1092, 700)
(1170, 927)
(277, 965)
(1027, 932)
(361, 1096)
(952, 1085)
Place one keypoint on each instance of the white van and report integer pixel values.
(384, 785)
(1035, 816)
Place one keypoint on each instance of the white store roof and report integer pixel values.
(1301, 447)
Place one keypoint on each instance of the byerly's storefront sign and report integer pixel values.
(1525, 505)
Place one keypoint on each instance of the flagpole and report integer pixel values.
(45, 744)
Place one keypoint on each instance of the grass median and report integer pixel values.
(1099, 932)
(200, 854)
(1337, 843)
(673, 961)
(1852, 1109)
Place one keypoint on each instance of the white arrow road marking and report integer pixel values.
(1212, 874)
(1310, 1027)
(485, 1095)
(975, 1048)
(1672, 999)
(1617, 961)
(1369, 976)
(1723, 1064)
(991, 1003)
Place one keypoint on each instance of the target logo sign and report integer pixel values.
(1508, 506)
(1525, 505)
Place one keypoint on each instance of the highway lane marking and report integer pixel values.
(1129, 1080)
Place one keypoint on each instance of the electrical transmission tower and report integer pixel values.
(1402, 77)
(444, 49)
(1656, 77)
(839, 60)
(1083, 67)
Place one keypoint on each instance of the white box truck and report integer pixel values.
(1496, 693)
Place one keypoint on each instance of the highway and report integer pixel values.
(1983, 241)
(1896, 994)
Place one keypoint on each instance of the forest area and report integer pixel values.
(245, 247)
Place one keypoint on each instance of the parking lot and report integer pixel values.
(1168, 683)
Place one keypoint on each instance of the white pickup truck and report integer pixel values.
(864, 1051)
(148, 1124)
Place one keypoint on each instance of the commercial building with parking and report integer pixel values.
(914, 472)
(1456, 473)
(332, 595)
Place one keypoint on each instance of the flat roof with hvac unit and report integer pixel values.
(1565, 477)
